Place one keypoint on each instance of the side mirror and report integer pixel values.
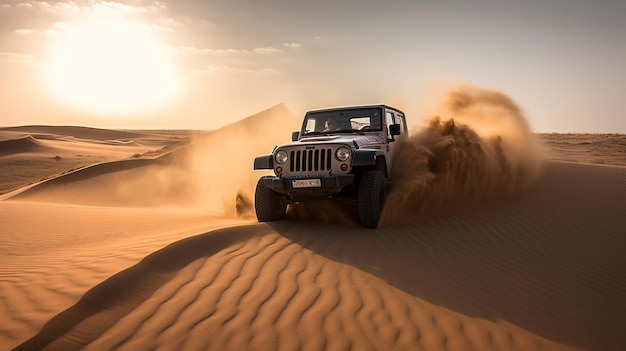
(394, 129)
(264, 162)
(295, 135)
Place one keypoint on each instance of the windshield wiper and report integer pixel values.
(316, 133)
(349, 131)
(331, 132)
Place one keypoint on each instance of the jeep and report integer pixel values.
(343, 152)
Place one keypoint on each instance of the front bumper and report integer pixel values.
(330, 185)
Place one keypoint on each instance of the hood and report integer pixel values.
(360, 140)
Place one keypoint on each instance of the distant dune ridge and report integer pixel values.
(20, 145)
(485, 247)
(75, 131)
(59, 149)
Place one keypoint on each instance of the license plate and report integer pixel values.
(306, 183)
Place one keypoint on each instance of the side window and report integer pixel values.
(315, 125)
(389, 120)
(400, 120)
(310, 125)
(360, 123)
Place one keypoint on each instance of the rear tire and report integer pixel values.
(268, 204)
(372, 191)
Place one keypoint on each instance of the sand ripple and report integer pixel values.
(259, 290)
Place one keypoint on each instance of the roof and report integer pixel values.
(354, 107)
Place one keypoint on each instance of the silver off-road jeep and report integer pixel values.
(341, 152)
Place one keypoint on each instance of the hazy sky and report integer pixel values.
(204, 64)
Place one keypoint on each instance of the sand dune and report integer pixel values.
(540, 271)
(58, 149)
(75, 131)
(544, 270)
(130, 254)
(51, 254)
(21, 145)
(127, 183)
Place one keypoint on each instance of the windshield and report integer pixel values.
(342, 121)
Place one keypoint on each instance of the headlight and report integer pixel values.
(281, 156)
(343, 153)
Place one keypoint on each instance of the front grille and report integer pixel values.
(310, 160)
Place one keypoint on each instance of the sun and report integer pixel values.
(111, 67)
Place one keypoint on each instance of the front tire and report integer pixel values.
(371, 198)
(268, 204)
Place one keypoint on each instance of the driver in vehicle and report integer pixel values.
(331, 125)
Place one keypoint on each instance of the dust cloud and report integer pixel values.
(480, 151)
(219, 164)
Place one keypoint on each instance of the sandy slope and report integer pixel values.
(51, 254)
(544, 270)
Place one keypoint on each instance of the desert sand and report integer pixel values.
(137, 240)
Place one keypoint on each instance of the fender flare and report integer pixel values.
(264, 162)
(368, 158)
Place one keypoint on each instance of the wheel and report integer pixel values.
(371, 197)
(268, 204)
